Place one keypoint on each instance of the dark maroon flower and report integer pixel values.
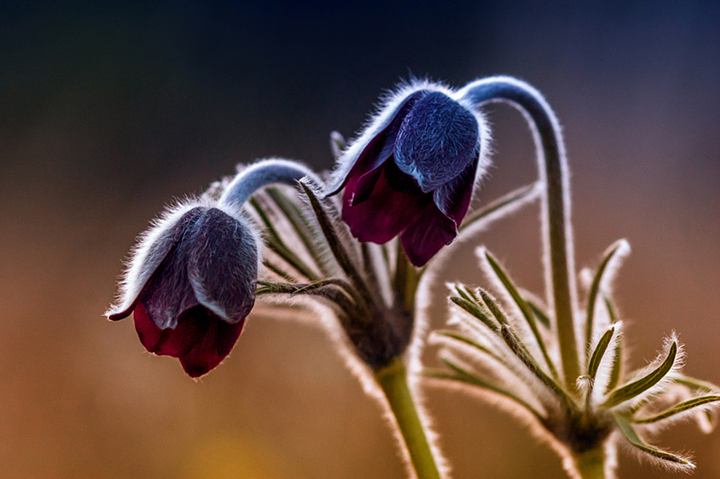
(190, 285)
(413, 171)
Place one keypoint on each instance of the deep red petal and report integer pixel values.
(426, 236)
(175, 342)
(386, 212)
(214, 346)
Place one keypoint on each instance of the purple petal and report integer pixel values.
(453, 198)
(168, 292)
(437, 140)
(427, 235)
(156, 255)
(222, 265)
(387, 211)
(380, 146)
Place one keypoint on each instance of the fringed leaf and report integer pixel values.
(599, 352)
(523, 193)
(524, 355)
(474, 310)
(342, 256)
(635, 388)
(667, 458)
(611, 253)
(678, 408)
(524, 308)
(302, 227)
(277, 245)
(462, 375)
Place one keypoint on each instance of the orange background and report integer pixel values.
(107, 112)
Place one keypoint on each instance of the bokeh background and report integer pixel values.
(108, 110)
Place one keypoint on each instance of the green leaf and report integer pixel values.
(465, 340)
(595, 288)
(301, 225)
(277, 245)
(474, 310)
(524, 355)
(635, 388)
(493, 307)
(678, 408)
(524, 308)
(504, 202)
(599, 352)
(539, 314)
(341, 255)
(464, 376)
(634, 439)
(279, 271)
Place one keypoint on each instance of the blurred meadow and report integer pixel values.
(109, 110)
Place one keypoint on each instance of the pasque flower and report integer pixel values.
(191, 279)
(412, 172)
(191, 285)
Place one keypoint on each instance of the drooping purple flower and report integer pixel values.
(413, 171)
(190, 286)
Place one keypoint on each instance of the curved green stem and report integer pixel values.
(393, 381)
(553, 172)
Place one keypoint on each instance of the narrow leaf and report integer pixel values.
(677, 409)
(539, 314)
(599, 352)
(277, 245)
(467, 377)
(300, 224)
(634, 439)
(494, 307)
(333, 239)
(595, 287)
(524, 355)
(465, 340)
(476, 312)
(524, 308)
(635, 388)
(507, 202)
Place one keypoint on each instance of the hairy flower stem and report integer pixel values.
(557, 235)
(393, 381)
(591, 464)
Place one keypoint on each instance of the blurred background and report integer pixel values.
(109, 110)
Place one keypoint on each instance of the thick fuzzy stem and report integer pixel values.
(260, 174)
(557, 234)
(393, 381)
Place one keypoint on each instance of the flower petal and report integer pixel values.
(150, 258)
(168, 292)
(174, 342)
(437, 141)
(391, 207)
(379, 148)
(453, 198)
(216, 343)
(222, 265)
(427, 235)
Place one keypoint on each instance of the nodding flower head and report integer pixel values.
(412, 172)
(190, 285)
(191, 279)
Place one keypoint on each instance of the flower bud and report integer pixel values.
(190, 286)
(412, 173)
(191, 279)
